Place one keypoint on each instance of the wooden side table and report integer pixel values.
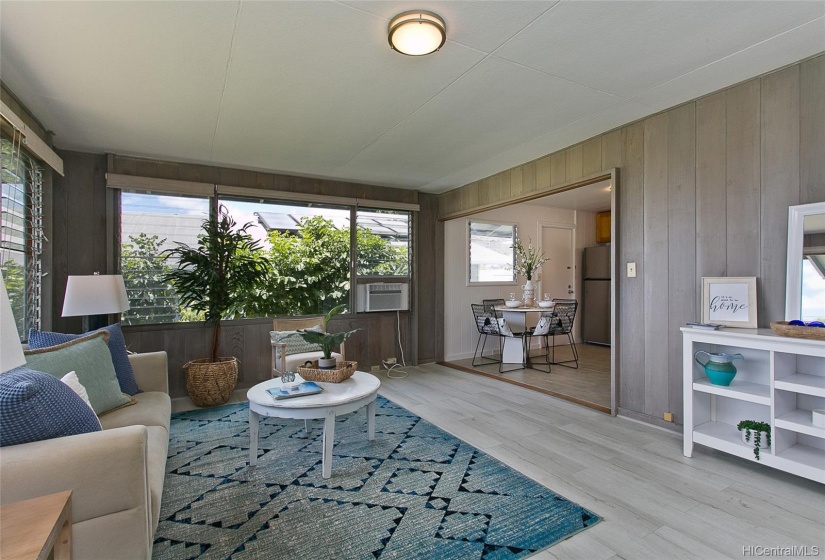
(32, 528)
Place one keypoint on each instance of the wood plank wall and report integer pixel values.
(704, 190)
(81, 245)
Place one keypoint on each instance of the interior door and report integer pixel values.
(558, 275)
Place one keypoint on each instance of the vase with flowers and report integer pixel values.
(528, 262)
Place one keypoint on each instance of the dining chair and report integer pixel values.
(564, 313)
(489, 325)
(492, 304)
(486, 323)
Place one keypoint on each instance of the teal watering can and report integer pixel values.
(719, 367)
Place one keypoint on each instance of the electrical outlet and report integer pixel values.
(375, 369)
(389, 361)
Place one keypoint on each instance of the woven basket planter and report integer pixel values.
(211, 383)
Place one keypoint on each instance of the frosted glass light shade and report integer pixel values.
(97, 294)
(11, 351)
(417, 32)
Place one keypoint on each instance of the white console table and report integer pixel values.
(780, 381)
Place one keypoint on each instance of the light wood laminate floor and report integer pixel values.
(589, 385)
(655, 502)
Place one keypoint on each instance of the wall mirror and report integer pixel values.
(805, 280)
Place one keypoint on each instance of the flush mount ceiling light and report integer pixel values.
(417, 32)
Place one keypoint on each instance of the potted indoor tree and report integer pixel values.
(214, 279)
(760, 432)
(326, 340)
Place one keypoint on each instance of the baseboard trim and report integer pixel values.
(647, 419)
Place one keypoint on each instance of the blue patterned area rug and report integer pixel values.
(413, 492)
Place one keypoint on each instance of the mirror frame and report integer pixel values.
(793, 276)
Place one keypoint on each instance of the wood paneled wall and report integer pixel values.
(248, 340)
(83, 243)
(704, 190)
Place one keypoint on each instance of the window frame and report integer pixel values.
(33, 234)
(221, 193)
(468, 256)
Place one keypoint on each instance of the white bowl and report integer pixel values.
(546, 304)
(512, 303)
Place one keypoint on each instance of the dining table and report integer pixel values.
(514, 351)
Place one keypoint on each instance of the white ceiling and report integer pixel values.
(312, 88)
(589, 198)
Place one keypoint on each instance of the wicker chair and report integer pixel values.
(282, 359)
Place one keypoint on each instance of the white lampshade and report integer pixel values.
(417, 32)
(11, 351)
(98, 294)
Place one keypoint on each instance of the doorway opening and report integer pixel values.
(569, 226)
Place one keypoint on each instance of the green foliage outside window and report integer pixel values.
(14, 276)
(310, 273)
(311, 270)
(151, 299)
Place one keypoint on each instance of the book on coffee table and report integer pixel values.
(300, 390)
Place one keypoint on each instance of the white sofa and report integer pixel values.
(116, 475)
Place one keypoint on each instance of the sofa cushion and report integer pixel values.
(153, 408)
(71, 380)
(90, 359)
(35, 406)
(117, 348)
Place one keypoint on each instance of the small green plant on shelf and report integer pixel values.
(754, 429)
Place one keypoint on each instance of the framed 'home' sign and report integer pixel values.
(729, 301)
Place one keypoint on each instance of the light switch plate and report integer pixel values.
(631, 270)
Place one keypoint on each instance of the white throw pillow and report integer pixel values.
(75, 385)
(542, 327)
(504, 328)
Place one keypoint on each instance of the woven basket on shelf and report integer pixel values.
(782, 328)
(344, 370)
(211, 383)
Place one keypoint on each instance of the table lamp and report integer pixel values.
(11, 351)
(94, 297)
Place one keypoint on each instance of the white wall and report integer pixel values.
(460, 332)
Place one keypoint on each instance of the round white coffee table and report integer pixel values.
(336, 399)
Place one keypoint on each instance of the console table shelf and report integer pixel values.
(780, 381)
(742, 390)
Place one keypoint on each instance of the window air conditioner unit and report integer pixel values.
(383, 296)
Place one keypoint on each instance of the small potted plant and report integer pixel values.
(759, 431)
(326, 340)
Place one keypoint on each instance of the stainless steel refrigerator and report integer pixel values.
(596, 298)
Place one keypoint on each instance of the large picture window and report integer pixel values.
(150, 224)
(491, 252)
(21, 235)
(309, 245)
(309, 249)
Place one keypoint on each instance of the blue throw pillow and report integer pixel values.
(117, 347)
(35, 406)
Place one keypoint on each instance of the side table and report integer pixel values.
(31, 529)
